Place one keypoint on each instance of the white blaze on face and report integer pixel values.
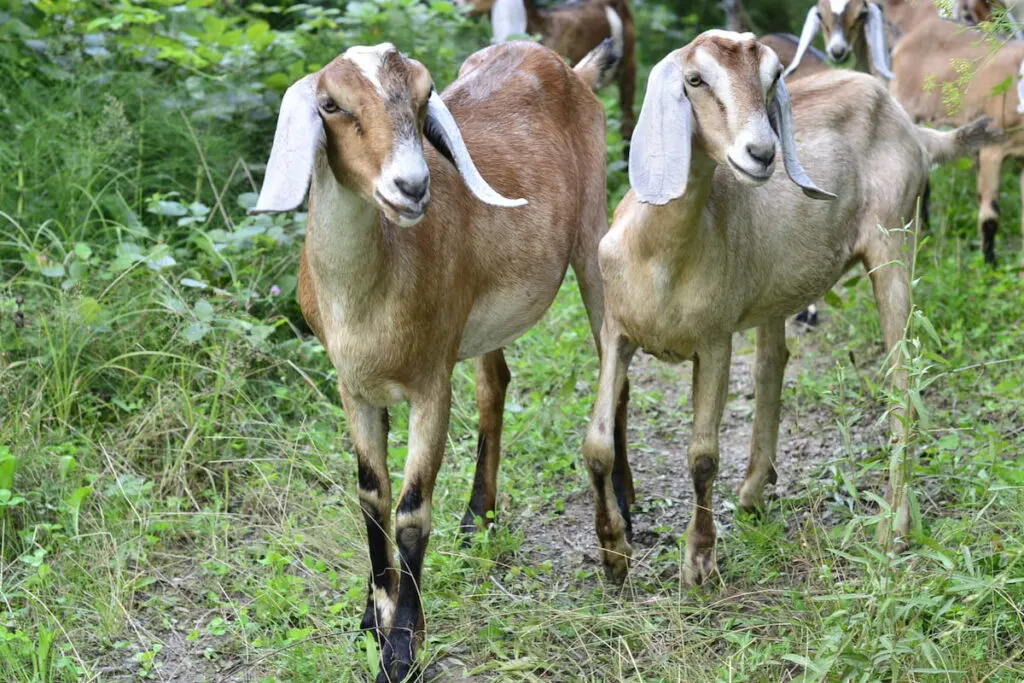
(369, 60)
(838, 5)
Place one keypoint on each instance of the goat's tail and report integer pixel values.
(599, 67)
(943, 146)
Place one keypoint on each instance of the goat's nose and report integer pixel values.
(838, 53)
(414, 188)
(764, 152)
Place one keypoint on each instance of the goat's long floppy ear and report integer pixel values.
(874, 32)
(508, 17)
(781, 118)
(443, 133)
(659, 153)
(812, 24)
(298, 135)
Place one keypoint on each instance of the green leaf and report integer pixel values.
(1002, 86)
(8, 466)
(52, 270)
(75, 504)
(833, 299)
(83, 251)
(90, 310)
(203, 310)
(1014, 476)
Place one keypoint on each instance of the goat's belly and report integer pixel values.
(499, 319)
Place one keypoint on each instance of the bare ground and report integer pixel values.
(658, 435)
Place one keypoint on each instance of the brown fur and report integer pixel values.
(784, 45)
(574, 29)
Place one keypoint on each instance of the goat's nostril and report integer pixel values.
(838, 54)
(413, 189)
(763, 153)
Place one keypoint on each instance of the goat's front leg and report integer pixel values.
(368, 427)
(710, 389)
(428, 428)
(604, 451)
(492, 378)
(769, 369)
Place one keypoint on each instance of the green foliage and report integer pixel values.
(176, 491)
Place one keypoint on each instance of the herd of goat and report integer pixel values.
(440, 227)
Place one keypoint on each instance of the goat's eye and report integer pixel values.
(695, 80)
(330, 107)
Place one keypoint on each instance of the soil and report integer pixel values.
(658, 437)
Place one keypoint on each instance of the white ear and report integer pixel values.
(875, 34)
(299, 134)
(659, 154)
(508, 17)
(444, 134)
(811, 27)
(781, 118)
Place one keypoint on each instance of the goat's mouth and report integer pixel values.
(751, 178)
(403, 215)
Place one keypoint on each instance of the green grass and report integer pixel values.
(180, 491)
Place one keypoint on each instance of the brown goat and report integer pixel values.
(572, 30)
(397, 306)
(784, 45)
(928, 56)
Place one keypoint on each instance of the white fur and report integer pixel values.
(369, 60)
(839, 5)
(1020, 89)
(385, 605)
(508, 18)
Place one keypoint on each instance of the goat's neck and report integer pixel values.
(345, 242)
(673, 232)
(905, 14)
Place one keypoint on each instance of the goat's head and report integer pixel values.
(366, 113)
(725, 93)
(844, 23)
(973, 11)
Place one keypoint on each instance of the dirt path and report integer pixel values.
(658, 438)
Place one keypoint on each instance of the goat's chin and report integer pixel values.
(748, 178)
(401, 216)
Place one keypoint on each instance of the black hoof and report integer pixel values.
(397, 659)
(808, 316)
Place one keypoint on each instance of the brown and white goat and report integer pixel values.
(396, 306)
(976, 11)
(849, 26)
(572, 30)
(710, 241)
(928, 58)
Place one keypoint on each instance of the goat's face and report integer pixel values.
(842, 23)
(373, 102)
(724, 94)
(729, 79)
(974, 11)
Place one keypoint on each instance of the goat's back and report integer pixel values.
(574, 29)
(926, 61)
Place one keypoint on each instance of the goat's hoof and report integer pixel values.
(397, 658)
(699, 564)
(468, 527)
(616, 562)
(751, 499)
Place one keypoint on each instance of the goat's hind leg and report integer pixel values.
(368, 427)
(492, 378)
(769, 370)
(990, 162)
(890, 279)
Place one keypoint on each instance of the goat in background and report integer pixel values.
(849, 26)
(784, 45)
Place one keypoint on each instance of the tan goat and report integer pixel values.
(929, 57)
(709, 242)
(572, 30)
(848, 26)
(397, 306)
